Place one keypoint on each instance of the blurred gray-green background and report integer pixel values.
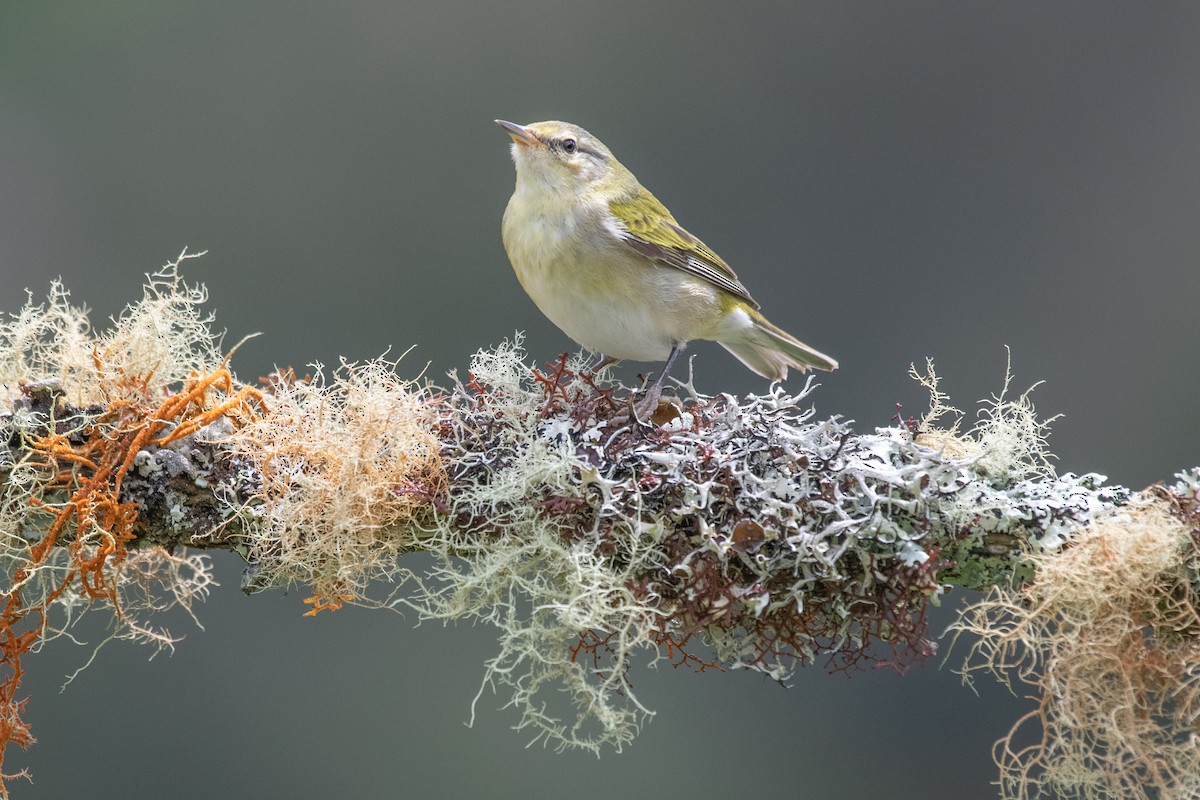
(892, 180)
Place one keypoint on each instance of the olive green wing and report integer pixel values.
(647, 226)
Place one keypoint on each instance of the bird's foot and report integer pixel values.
(645, 408)
(655, 411)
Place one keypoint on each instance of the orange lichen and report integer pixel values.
(87, 466)
(321, 603)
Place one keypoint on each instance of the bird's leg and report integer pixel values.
(650, 402)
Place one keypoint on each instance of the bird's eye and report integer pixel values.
(569, 146)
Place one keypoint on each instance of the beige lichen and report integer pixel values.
(1106, 634)
(346, 463)
(164, 338)
(1007, 443)
(933, 430)
(1011, 438)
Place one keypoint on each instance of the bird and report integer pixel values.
(608, 264)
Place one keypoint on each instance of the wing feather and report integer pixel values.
(647, 226)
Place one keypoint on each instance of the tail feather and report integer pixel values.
(770, 351)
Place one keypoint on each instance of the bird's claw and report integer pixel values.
(643, 410)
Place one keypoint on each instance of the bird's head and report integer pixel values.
(560, 157)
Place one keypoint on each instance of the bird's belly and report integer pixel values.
(614, 301)
(607, 324)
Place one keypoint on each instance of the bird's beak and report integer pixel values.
(519, 133)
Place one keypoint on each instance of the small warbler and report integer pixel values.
(606, 262)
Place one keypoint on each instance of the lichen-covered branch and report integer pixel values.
(722, 532)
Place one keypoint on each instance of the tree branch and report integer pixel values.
(723, 532)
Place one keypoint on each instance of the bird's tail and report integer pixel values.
(769, 350)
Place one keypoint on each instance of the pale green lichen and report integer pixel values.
(504, 561)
